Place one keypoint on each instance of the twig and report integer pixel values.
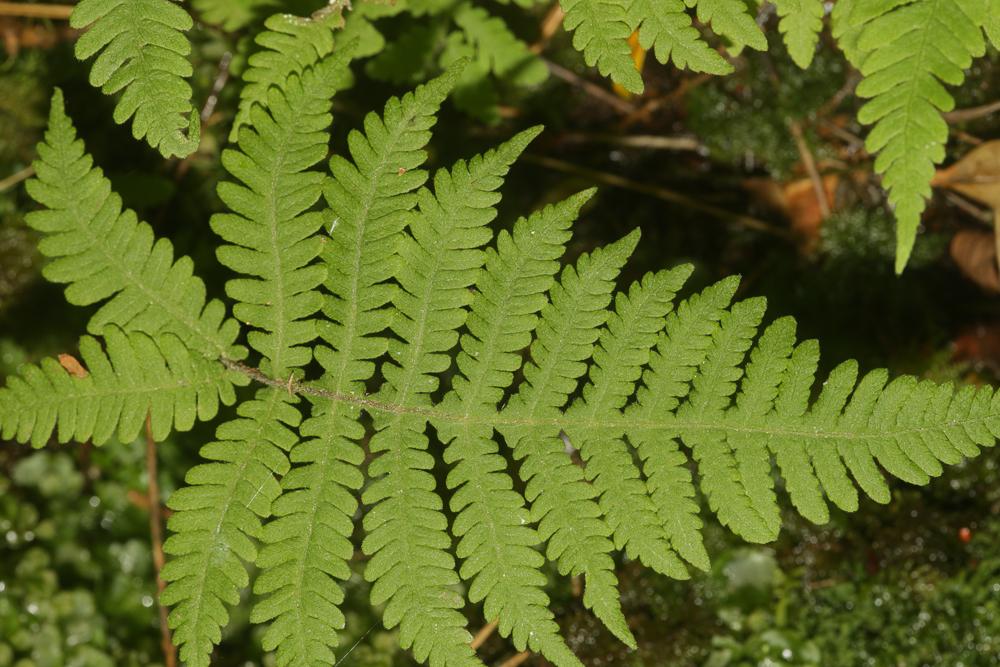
(16, 177)
(156, 534)
(647, 141)
(996, 239)
(483, 634)
(810, 164)
(220, 82)
(592, 89)
(553, 19)
(972, 113)
(970, 208)
(516, 660)
(970, 139)
(58, 12)
(660, 193)
(831, 104)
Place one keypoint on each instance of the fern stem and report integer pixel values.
(23, 9)
(660, 193)
(632, 423)
(156, 537)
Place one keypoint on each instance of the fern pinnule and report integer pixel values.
(217, 518)
(622, 352)
(665, 27)
(496, 47)
(289, 45)
(601, 31)
(496, 540)
(272, 230)
(310, 532)
(133, 376)
(103, 253)
(801, 482)
(681, 348)
(411, 567)
(905, 54)
(732, 487)
(232, 14)
(801, 23)
(730, 19)
(143, 54)
(562, 502)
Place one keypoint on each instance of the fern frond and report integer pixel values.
(289, 44)
(406, 512)
(417, 299)
(411, 567)
(801, 23)
(909, 51)
(496, 47)
(562, 502)
(679, 351)
(143, 54)
(104, 253)
(272, 231)
(730, 19)
(666, 27)
(496, 540)
(134, 376)
(600, 32)
(601, 29)
(623, 349)
(307, 544)
(217, 517)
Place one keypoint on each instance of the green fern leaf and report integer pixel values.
(143, 54)
(102, 252)
(289, 44)
(686, 389)
(623, 350)
(910, 52)
(730, 19)
(136, 375)
(271, 229)
(600, 31)
(411, 568)
(562, 502)
(666, 28)
(498, 49)
(801, 23)
(496, 541)
(217, 517)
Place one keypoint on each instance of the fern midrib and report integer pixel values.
(622, 422)
(277, 281)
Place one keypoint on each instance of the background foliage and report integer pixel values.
(903, 584)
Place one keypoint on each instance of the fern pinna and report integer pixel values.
(443, 346)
